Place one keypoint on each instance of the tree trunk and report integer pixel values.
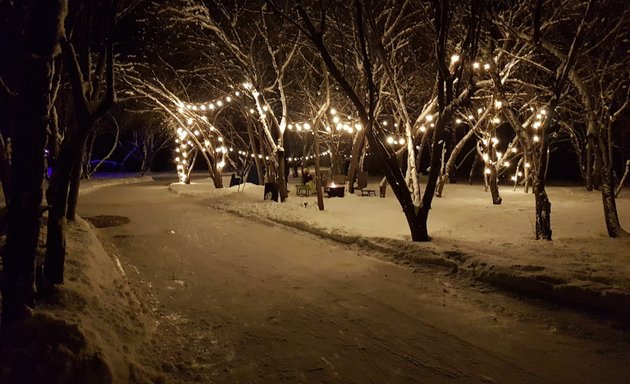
(43, 23)
(318, 179)
(357, 147)
(280, 176)
(75, 184)
(543, 206)
(543, 211)
(5, 170)
(494, 186)
(57, 196)
(471, 175)
(607, 189)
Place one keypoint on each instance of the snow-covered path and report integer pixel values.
(244, 302)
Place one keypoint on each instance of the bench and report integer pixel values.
(302, 190)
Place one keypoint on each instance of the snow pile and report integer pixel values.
(87, 330)
(492, 243)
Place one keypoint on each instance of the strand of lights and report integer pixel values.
(475, 65)
(334, 120)
(209, 106)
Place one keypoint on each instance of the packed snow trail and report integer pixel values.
(239, 301)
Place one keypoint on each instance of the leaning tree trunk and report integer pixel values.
(449, 168)
(38, 46)
(624, 179)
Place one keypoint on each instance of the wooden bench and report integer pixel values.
(302, 190)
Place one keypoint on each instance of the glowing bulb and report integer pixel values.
(390, 140)
(401, 141)
(454, 58)
(384, 123)
(458, 121)
(476, 65)
(333, 111)
(514, 150)
(211, 106)
(194, 107)
(203, 107)
(487, 171)
(527, 165)
(536, 125)
(336, 119)
(486, 66)
(220, 103)
(536, 138)
(429, 117)
(496, 120)
(358, 126)
(423, 128)
(307, 126)
(265, 108)
(290, 126)
(251, 110)
(228, 99)
(498, 104)
(189, 121)
(196, 132)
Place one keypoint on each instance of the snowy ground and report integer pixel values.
(494, 243)
(242, 301)
(248, 312)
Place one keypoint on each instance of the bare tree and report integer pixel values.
(37, 29)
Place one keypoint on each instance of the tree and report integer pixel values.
(37, 30)
(367, 32)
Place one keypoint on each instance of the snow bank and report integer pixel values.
(87, 330)
(470, 234)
